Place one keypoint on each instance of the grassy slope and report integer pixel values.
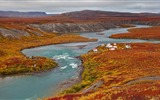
(118, 68)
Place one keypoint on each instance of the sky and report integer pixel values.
(61, 6)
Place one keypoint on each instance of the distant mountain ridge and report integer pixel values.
(98, 13)
(21, 14)
(77, 14)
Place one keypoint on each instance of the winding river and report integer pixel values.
(28, 87)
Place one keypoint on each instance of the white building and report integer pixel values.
(34, 65)
(102, 45)
(128, 46)
(112, 48)
(95, 50)
(109, 45)
(115, 47)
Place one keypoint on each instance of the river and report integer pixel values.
(28, 87)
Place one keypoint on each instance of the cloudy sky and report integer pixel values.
(60, 6)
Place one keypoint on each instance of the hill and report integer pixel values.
(21, 14)
(94, 14)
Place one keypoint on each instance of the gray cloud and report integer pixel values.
(59, 6)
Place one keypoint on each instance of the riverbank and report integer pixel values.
(117, 69)
(126, 72)
(151, 33)
(69, 83)
(12, 61)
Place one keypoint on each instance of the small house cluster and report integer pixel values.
(112, 47)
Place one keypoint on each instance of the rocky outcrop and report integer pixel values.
(73, 27)
(69, 28)
(87, 27)
(13, 33)
(97, 26)
(34, 32)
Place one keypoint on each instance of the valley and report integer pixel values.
(68, 54)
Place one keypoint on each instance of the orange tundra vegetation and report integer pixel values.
(13, 62)
(9, 48)
(84, 19)
(127, 74)
(152, 33)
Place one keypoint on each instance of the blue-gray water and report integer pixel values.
(46, 84)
